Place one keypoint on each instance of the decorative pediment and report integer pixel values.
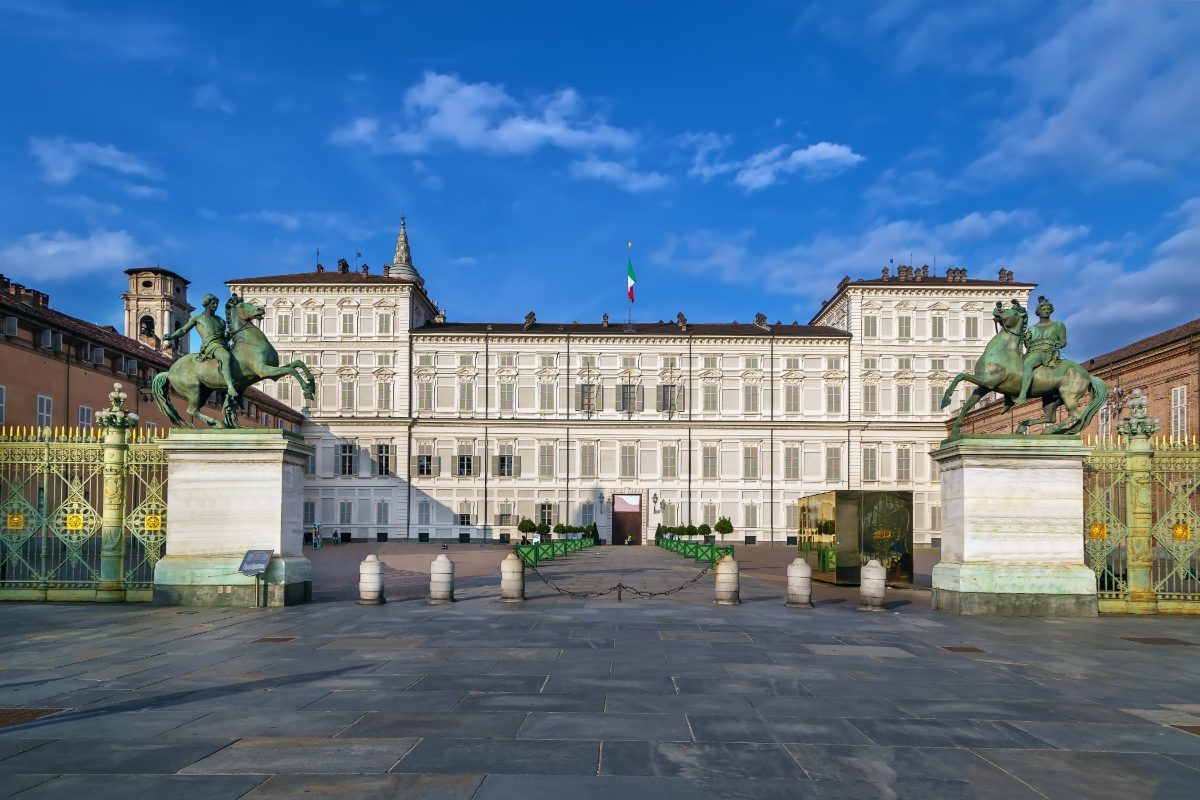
(347, 373)
(752, 377)
(904, 376)
(939, 375)
(506, 374)
(467, 373)
(792, 376)
(589, 375)
(710, 375)
(348, 302)
(872, 305)
(939, 306)
(669, 376)
(835, 375)
(312, 304)
(972, 306)
(424, 373)
(547, 374)
(870, 377)
(384, 374)
(385, 303)
(282, 303)
(906, 305)
(629, 376)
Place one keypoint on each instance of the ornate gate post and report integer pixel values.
(1139, 560)
(116, 422)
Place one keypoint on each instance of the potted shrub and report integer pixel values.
(692, 530)
(526, 527)
(560, 529)
(543, 531)
(723, 527)
(704, 531)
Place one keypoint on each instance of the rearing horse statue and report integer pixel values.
(1000, 370)
(253, 359)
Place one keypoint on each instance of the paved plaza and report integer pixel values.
(671, 697)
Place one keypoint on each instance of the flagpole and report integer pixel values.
(629, 255)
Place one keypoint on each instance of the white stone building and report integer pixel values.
(431, 428)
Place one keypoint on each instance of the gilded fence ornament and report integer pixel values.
(234, 355)
(1022, 361)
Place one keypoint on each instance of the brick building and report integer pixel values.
(57, 370)
(1166, 366)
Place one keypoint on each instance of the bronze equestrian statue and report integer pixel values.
(229, 363)
(1022, 361)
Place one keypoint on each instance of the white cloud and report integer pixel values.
(280, 219)
(87, 33)
(1114, 91)
(62, 159)
(142, 191)
(335, 221)
(210, 98)
(441, 109)
(817, 160)
(766, 167)
(57, 255)
(88, 206)
(464, 261)
(363, 130)
(619, 174)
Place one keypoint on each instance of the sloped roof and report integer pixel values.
(659, 328)
(1160, 339)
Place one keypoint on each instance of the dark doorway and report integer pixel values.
(627, 519)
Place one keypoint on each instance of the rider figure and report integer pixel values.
(212, 340)
(1043, 341)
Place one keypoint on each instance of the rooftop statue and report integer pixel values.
(234, 355)
(1023, 361)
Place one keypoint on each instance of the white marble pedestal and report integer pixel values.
(1012, 528)
(230, 491)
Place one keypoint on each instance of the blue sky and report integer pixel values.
(754, 153)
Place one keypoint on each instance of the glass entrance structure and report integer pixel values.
(840, 531)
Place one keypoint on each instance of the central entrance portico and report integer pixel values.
(627, 518)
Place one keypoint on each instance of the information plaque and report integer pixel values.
(255, 562)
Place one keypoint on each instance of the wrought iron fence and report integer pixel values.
(57, 490)
(1142, 511)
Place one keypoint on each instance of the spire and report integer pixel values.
(402, 266)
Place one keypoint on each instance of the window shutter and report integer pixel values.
(516, 466)
(475, 464)
(659, 392)
(496, 466)
(365, 467)
(327, 460)
(579, 398)
(598, 396)
(680, 396)
(620, 389)
(437, 466)
(641, 398)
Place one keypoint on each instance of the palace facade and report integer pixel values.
(426, 428)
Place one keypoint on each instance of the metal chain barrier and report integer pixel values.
(619, 588)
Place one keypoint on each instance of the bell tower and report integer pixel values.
(155, 303)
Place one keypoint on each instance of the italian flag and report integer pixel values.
(632, 279)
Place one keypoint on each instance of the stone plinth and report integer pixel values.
(230, 491)
(1012, 528)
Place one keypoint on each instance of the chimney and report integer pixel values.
(365, 269)
(885, 274)
(320, 267)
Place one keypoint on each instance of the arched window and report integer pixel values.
(147, 325)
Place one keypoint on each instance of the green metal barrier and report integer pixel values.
(534, 554)
(710, 553)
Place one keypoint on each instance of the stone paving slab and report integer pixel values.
(560, 697)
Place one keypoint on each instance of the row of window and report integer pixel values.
(587, 361)
(506, 464)
(347, 324)
(904, 326)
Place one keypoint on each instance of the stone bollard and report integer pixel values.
(726, 591)
(512, 579)
(871, 586)
(799, 584)
(370, 581)
(441, 581)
